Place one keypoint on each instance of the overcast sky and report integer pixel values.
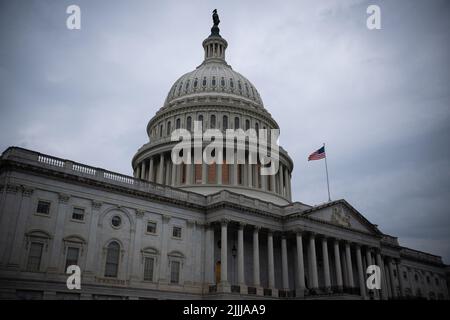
(379, 99)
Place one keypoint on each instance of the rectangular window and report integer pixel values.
(151, 227)
(78, 214)
(34, 256)
(148, 268)
(43, 207)
(175, 272)
(72, 256)
(176, 232)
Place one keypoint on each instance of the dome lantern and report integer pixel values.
(215, 45)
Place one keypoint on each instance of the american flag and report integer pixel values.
(317, 155)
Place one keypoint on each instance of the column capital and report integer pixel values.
(224, 222)
(63, 198)
(96, 205)
(12, 188)
(312, 234)
(256, 228)
(27, 191)
(190, 223)
(140, 213)
(241, 225)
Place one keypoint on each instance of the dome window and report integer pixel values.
(189, 123)
(236, 123)
(257, 128)
(213, 81)
(240, 86)
(204, 81)
(231, 84)
(222, 82)
(225, 122)
(178, 123)
(186, 88)
(168, 128)
(246, 89)
(247, 124)
(160, 130)
(195, 83)
(213, 121)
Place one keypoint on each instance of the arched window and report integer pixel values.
(160, 130)
(168, 128)
(213, 121)
(222, 82)
(204, 81)
(189, 123)
(231, 84)
(236, 123)
(247, 124)
(200, 118)
(195, 83)
(213, 81)
(178, 124)
(112, 260)
(257, 128)
(225, 122)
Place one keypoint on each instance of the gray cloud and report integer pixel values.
(379, 99)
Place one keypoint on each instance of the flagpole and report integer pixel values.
(326, 169)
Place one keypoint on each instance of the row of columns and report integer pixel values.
(170, 174)
(344, 275)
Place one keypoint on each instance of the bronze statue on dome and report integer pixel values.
(215, 29)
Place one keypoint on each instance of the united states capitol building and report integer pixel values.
(193, 231)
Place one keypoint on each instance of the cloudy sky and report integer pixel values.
(379, 99)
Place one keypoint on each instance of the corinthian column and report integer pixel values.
(326, 264)
(300, 265)
(337, 262)
(362, 283)
(281, 175)
(256, 276)
(348, 258)
(270, 260)
(223, 252)
(284, 263)
(313, 261)
(241, 279)
(161, 169)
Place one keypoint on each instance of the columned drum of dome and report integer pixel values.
(220, 98)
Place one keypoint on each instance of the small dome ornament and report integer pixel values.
(215, 28)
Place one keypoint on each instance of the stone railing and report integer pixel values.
(36, 159)
(101, 175)
(420, 256)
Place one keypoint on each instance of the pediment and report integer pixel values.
(342, 214)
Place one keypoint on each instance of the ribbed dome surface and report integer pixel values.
(214, 78)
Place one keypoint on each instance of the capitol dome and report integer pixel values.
(214, 78)
(220, 98)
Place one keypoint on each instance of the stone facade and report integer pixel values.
(192, 231)
(271, 251)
